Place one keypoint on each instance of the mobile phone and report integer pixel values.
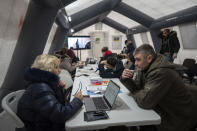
(95, 115)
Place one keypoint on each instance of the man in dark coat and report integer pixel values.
(170, 44)
(156, 85)
(42, 106)
(129, 52)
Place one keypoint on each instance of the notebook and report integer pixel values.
(104, 102)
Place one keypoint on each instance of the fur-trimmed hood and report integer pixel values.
(37, 75)
(172, 34)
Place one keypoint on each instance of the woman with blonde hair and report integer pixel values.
(42, 106)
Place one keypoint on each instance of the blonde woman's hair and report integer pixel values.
(45, 62)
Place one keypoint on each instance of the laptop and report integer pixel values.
(87, 61)
(105, 102)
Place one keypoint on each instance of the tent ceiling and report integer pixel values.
(129, 11)
(80, 5)
(122, 19)
(160, 8)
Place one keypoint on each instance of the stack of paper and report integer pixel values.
(96, 88)
(96, 80)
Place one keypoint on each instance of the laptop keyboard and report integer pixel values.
(99, 103)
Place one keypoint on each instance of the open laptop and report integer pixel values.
(87, 61)
(105, 102)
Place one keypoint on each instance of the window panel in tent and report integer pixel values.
(144, 38)
(189, 41)
(80, 5)
(160, 8)
(122, 19)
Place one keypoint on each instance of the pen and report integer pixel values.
(79, 89)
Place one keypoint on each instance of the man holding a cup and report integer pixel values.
(157, 85)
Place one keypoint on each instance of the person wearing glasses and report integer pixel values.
(42, 106)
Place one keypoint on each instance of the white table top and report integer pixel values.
(130, 116)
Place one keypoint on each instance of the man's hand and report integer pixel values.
(174, 55)
(80, 64)
(109, 66)
(127, 73)
(104, 62)
(79, 95)
(166, 53)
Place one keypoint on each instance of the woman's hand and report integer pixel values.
(79, 95)
(62, 84)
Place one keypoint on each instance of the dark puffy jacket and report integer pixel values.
(42, 107)
(170, 43)
(130, 50)
(110, 73)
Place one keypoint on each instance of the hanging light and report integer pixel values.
(72, 30)
(69, 19)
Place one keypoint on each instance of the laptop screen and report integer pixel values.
(111, 92)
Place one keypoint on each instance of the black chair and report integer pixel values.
(193, 91)
(191, 69)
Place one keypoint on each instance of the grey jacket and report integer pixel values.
(161, 88)
(66, 63)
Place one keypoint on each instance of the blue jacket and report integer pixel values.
(42, 106)
(110, 73)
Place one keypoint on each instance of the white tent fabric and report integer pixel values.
(122, 19)
(80, 5)
(160, 8)
(152, 8)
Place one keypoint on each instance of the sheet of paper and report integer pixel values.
(96, 88)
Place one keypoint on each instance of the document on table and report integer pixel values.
(94, 88)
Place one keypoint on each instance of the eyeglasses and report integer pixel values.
(79, 89)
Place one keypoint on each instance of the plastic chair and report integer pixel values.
(9, 104)
(66, 77)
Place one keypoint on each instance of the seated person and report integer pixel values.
(157, 85)
(105, 53)
(42, 106)
(72, 55)
(68, 52)
(66, 61)
(114, 68)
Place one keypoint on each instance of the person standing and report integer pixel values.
(129, 52)
(170, 44)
